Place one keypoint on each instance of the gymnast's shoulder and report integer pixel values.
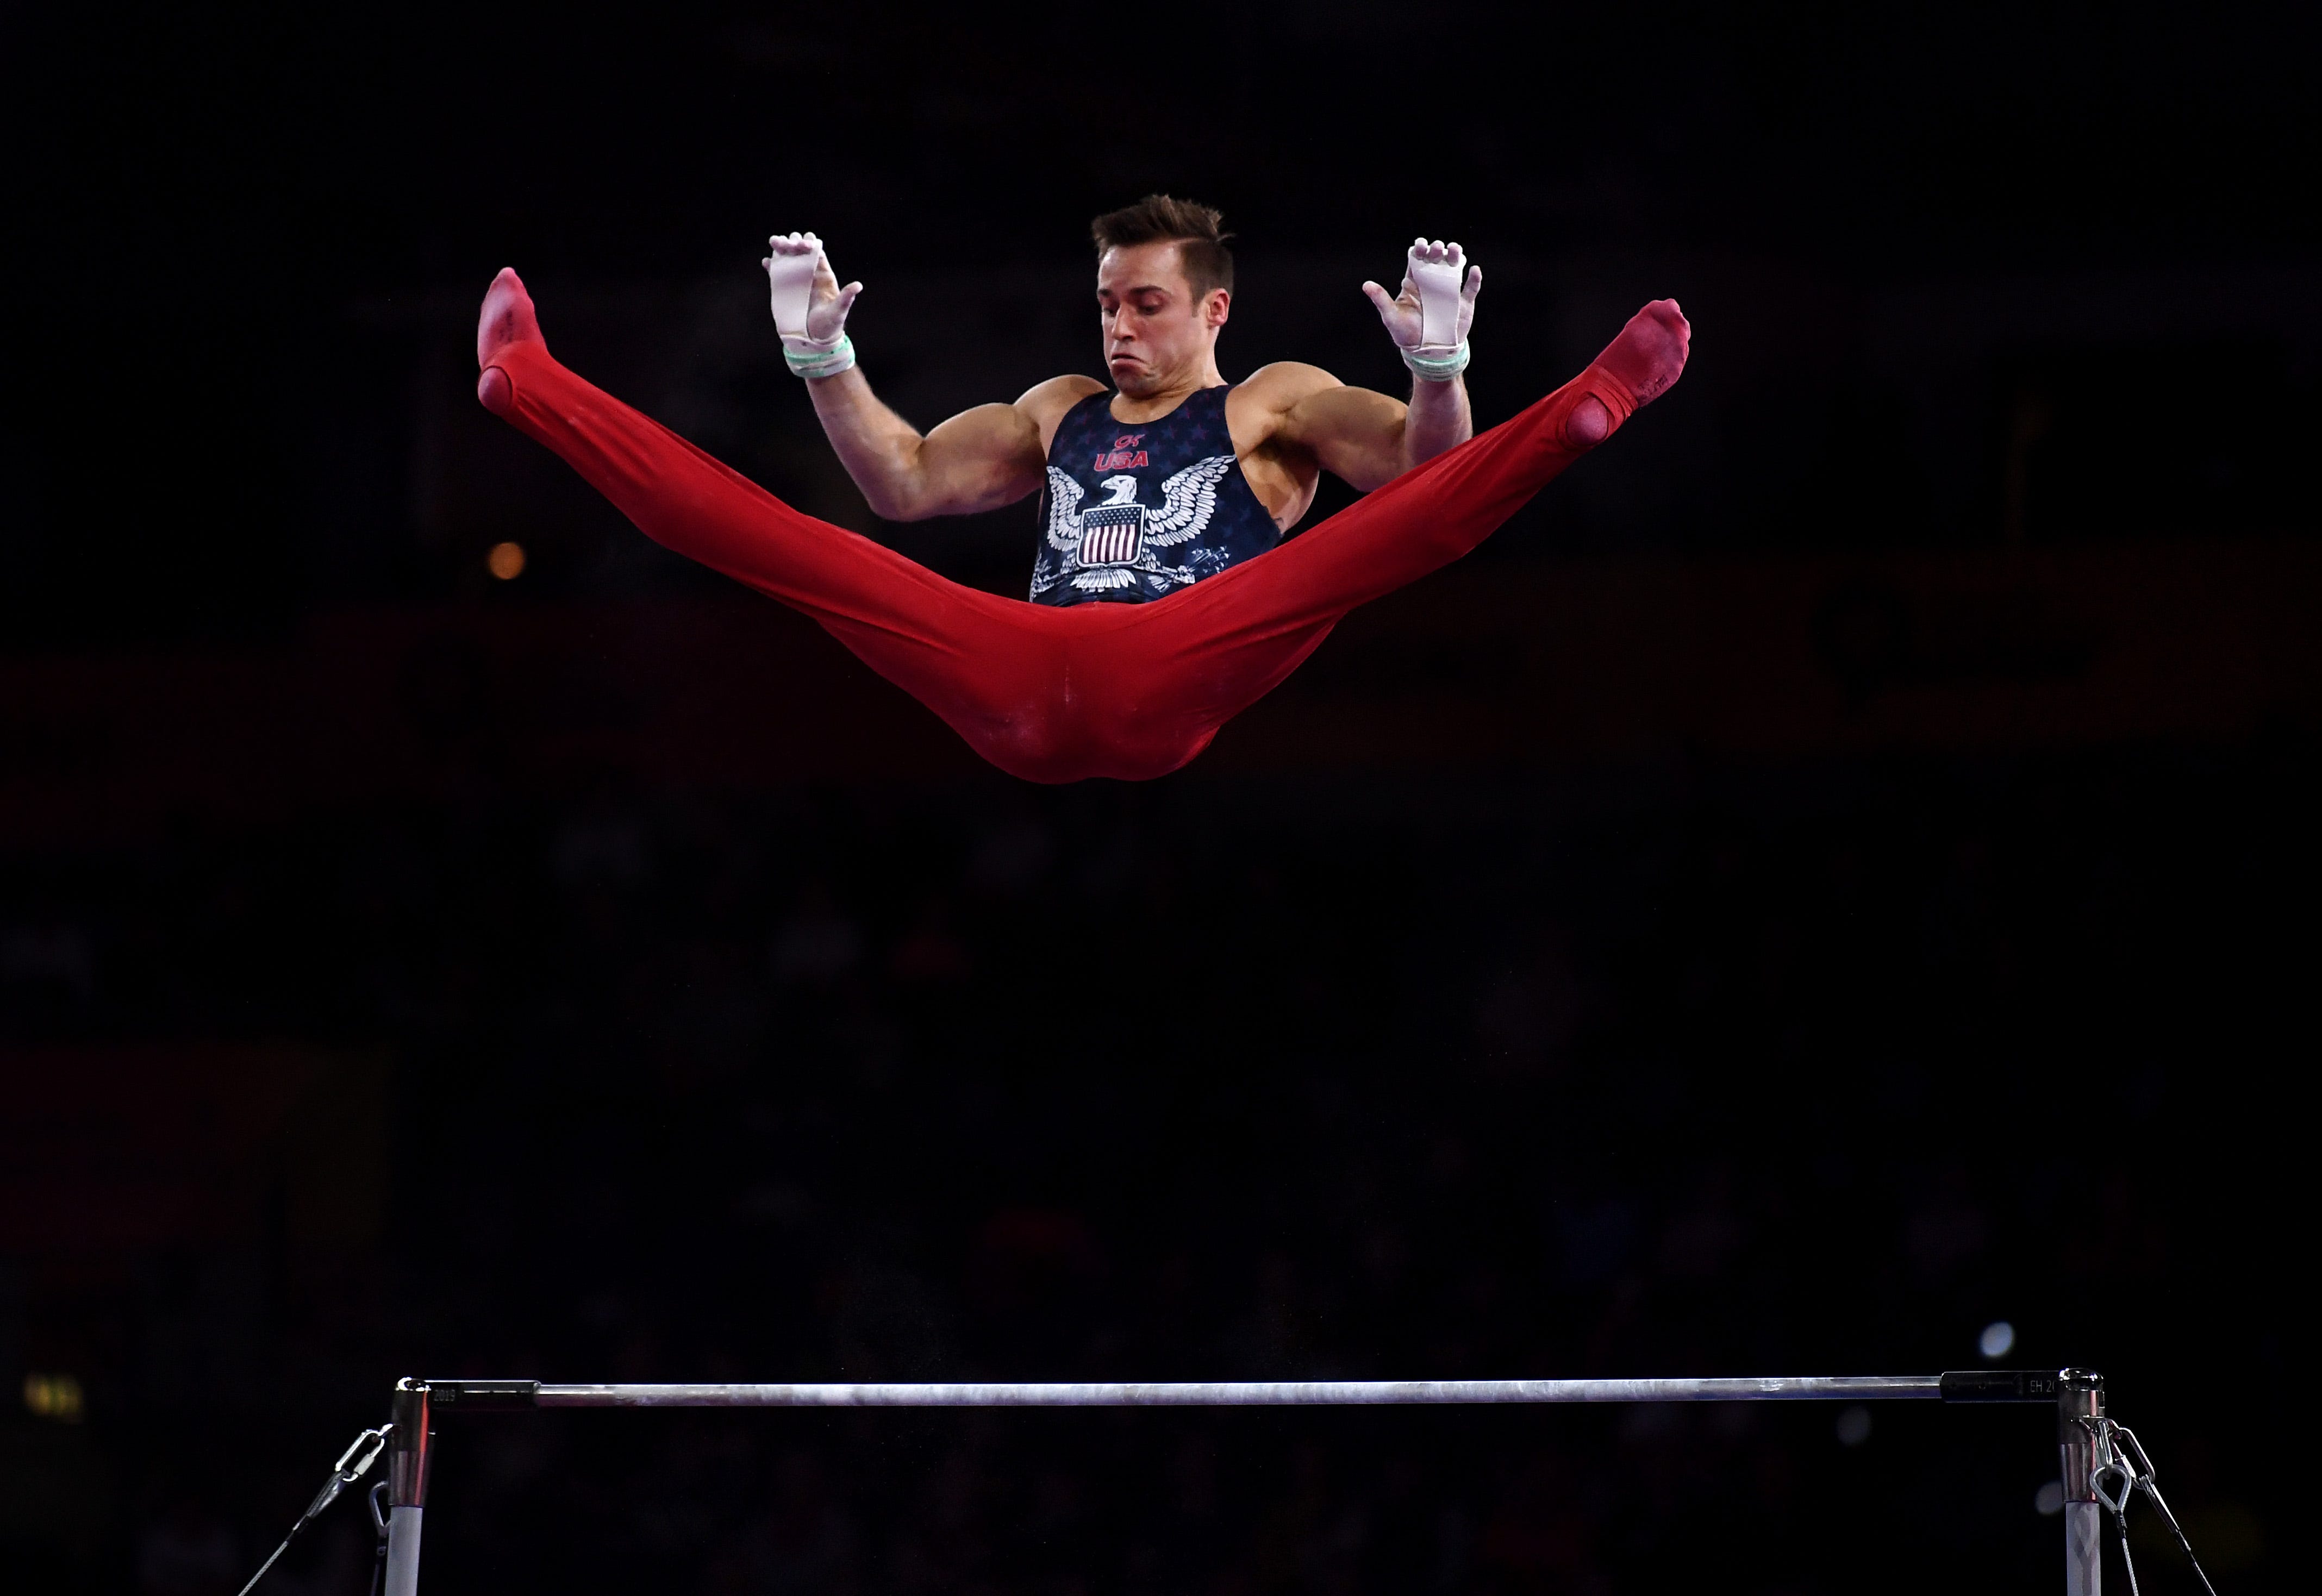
(1281, 388)
(1284, 383)
(1047, 401)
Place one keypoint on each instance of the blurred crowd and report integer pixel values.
(1677, 1071)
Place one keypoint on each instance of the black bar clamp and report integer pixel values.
(483, 1396)
(2003, 1385)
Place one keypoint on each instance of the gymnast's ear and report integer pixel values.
(1217, 304)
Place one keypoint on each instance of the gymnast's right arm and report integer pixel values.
(979, 460)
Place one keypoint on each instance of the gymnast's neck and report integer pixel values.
(1151, 403)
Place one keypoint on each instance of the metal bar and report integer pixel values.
(2080, 1414)
(417, 1401)
(410, 1457)
(1246, 1393)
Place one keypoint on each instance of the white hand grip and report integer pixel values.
(792, 280)
(1438, 283)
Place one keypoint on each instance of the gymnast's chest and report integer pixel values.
(1163, 500)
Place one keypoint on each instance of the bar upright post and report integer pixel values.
(409, 1454)
(2080, 1416)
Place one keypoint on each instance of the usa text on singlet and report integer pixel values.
(1136, 512)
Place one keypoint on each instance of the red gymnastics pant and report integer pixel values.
(1126, 691)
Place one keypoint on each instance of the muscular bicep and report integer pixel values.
(1350, 432)
(979, 460)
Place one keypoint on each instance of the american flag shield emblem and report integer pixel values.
(1112, 534)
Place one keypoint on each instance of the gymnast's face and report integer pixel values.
(1158, 334)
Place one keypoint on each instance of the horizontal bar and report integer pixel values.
(1209, 1394)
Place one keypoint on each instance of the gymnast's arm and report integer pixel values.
(979, 460)
(1371, 439)
(1366, 438)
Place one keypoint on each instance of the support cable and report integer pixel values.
(2124, 1466)
(344, 1473)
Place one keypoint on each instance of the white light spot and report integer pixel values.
(1998, 1340)
(1854, 1427)
(2049, 1499)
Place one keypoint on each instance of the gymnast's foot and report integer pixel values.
(508, 318)
(1647, 357)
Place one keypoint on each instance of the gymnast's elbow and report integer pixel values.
(909, 487)
(888, 505)
(905, 502)
(900, 492)
(914, 496)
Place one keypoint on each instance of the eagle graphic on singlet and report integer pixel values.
(1135, 512)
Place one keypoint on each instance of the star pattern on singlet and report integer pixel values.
(1137, 511)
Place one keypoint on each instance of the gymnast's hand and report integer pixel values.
(809, 306)
(1429, 318)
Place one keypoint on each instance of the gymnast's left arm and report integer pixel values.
(1429, 318)
(1368, 438)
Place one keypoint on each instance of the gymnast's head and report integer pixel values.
(1163, 287)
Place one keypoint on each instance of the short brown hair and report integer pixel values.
(1161, 218)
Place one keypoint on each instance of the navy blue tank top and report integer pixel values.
(1134, 512)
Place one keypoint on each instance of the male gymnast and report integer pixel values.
(1163, 599)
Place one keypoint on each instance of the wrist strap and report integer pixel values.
(1440, 366)
(820, 362)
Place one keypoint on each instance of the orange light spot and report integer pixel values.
(55, 1396)
(505, 561)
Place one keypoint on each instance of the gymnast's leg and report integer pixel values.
(1234, 637)
(1432, 516)
(983, 663)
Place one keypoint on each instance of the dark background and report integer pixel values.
(1835, 873)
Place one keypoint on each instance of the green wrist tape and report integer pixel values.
(1437, 368)
(821, 362)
